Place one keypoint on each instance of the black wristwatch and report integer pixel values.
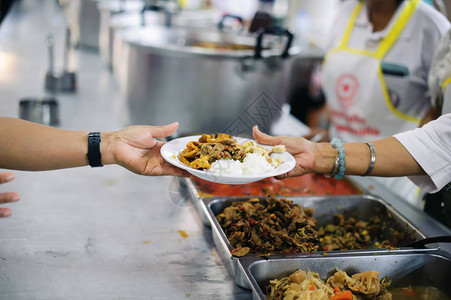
(94, 155)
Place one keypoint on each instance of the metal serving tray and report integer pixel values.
(364, 206)
(405, 269)
(198, 204)
(196, 195)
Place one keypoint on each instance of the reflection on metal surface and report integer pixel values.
(8, 63)
(176, 194)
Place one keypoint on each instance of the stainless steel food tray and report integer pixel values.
(364, 206)
(405, 269)
(193, 195)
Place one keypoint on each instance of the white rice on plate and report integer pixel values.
(253, 164)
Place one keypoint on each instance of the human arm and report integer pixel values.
(35, 147)
(392, 159)
(432, 114)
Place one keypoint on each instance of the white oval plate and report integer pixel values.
(171, 149)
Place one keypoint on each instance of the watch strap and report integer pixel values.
(94, 155)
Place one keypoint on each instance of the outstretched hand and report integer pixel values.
(301, 149)
(136, 149)
(9, 196)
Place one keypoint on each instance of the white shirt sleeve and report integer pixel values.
(430, 146)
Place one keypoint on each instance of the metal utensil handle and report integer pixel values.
(230, 16)
(149, 6)
(66, 49)
(435, 239)
(154, 6)
(273, 30)
(50, 43)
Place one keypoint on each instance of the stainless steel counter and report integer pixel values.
(93, 233)
(98, 233)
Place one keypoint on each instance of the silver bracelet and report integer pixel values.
(373, 159)
(335, 170)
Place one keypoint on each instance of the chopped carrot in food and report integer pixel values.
(409, 292)
(346, 295)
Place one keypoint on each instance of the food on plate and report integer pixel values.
(340, 286)
(252, 164)
(270, 225)
(221, 153)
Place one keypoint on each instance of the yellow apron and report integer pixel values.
(358, 99)
(357, 95)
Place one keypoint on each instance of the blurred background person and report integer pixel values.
(438, 204)
(375, 75)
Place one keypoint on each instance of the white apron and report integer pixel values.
(446, 88)
(358, 99)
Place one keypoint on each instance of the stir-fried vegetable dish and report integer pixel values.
(265, 226)
(340, 286)
(270, 225)
(351, 233)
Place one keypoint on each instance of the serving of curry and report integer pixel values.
(201, 154)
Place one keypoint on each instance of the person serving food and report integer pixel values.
(375, 73)
(423, 154)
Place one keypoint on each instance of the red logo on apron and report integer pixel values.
(347, 86)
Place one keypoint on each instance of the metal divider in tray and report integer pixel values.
(404, 269)
(364, 206)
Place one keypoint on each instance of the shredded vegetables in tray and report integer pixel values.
(270, 225)
(340, 286)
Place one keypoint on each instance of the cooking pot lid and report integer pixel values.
(201, 41)
(191, 18)
(120, 6)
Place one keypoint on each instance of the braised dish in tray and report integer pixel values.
(270, 225)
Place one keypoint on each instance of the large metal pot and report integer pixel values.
(107, 10)
(110, 46)
(83, 17)
(209, 81)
